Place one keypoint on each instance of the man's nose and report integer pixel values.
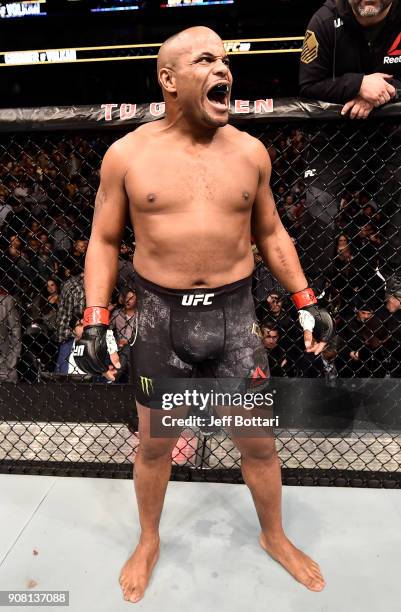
(220, 68)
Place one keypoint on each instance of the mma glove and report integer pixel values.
(311, 317)
(92, 351)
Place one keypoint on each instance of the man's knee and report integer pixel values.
(257, 449)
(156, 449)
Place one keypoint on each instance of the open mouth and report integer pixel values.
(218, 96)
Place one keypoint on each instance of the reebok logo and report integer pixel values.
(394, 53)
(78, 351)
(195, 299)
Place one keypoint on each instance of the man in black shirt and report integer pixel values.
(352, 53)
(352, 56)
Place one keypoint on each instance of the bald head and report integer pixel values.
(183, 42)
(189, 65)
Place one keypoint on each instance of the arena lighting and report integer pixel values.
(244, 46)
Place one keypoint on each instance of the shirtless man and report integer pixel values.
(194, 187)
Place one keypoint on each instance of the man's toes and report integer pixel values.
(315, 584)
(135, 596)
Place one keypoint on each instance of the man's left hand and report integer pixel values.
(318, 328)
(358, 108)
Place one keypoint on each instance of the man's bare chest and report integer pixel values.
(170, 179)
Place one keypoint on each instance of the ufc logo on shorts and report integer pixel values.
(78, 351)
(310, 173)
(191, 299)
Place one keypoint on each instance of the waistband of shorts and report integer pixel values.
(198, 298)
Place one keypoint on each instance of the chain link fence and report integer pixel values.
(337, 186)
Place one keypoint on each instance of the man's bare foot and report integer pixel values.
(299, 565)
(135, 574)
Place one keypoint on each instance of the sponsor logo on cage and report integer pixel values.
(146, 385)
(197, 299)
(236, 46)
(310, 48)
(394, 53)
(124, 112)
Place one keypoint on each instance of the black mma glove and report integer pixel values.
(92, 351)
(311, 318)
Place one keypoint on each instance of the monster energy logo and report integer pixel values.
(147, 385)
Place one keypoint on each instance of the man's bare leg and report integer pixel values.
(261, 472)
(152, 471)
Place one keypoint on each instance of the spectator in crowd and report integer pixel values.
(72, 299)
(272, 312)
(364, 350)
(263, 282)
(123, 321)
(344, 277)
(76, 255)
(5, 212)
(15, 267)
(10, 338)
(65, 359)
(61, 235)
(277, 357)
(344, 60)
(126, 276)
(325, 365)
(45, 305)
(46, 263)
(389, 315)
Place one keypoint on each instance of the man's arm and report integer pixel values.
(279, 254)
(316, 67)
(101, 263)
(272, 239)
(97, 346)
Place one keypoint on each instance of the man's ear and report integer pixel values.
(167, 80)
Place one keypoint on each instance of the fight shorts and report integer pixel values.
(195, 333)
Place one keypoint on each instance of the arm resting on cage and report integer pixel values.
(272, 239)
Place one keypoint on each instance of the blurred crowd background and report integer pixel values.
(47, 193)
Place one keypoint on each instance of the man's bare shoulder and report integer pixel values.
(251, 145)
(119, 154)
(125, 143)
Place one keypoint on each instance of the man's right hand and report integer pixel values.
(97, 346)
(376, 90)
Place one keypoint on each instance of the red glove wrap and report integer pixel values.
(96, 315)
(303, 298)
